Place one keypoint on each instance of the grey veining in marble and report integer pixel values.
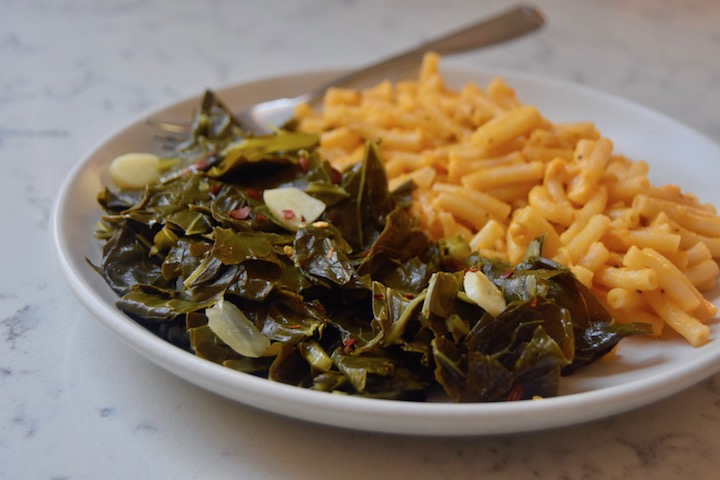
(76, 403)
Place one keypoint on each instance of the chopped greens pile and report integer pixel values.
(356, 300)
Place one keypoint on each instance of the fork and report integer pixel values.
(261, 117)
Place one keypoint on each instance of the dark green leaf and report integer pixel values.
(322, 254)
(276, 148)
(232, 248)
(126, 262)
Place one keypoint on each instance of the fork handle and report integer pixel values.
(505, 26)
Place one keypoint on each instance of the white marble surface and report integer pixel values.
(76, 403)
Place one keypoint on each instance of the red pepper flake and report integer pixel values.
(215, 188)
(304, 164)
(288, 214)
(260, 217)
(335, 176)
(409, 296)
(241, 213)
(534, 302)
(379, 296)
(254, 193)
(330, 253)
(317, 306)
(349, 343)
(294, 327)
(516, 393)
(507, 273)
(334, 217)
(206, 162)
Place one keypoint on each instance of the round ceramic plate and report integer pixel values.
(644, 370)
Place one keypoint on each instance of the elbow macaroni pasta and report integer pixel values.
(499, 174)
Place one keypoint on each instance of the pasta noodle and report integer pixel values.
(497, 173)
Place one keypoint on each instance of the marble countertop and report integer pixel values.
(76, 403)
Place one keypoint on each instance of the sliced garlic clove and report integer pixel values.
(484, 293)
(291, 207)
(135, 170)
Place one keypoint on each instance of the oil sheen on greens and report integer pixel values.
(359, 302)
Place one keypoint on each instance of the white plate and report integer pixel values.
(645, 370)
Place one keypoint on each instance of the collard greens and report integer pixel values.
(359, 302)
